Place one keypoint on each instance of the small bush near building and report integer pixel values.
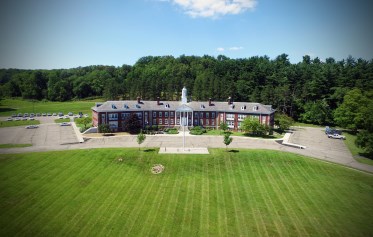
(171, 131)
(198, 130)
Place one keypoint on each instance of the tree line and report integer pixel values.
(308, 91)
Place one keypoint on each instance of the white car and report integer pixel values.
(9, 119)
(65, 124)
(32, 126)
(336, 136)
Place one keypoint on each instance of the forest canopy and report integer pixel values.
(308, 91)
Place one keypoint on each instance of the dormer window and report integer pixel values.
(202, 106)
(255, 108)
(138, 106)
(125, 106)
(167, 105)
(113, 106)
(243, 107)
(231, 106)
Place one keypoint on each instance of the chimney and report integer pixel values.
(138, 100)
(158, 103)
(210, 102)
(230, 100)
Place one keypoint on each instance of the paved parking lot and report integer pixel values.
(48, 134)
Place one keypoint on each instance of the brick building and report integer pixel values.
(176, 113)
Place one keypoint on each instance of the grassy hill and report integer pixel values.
(11, 106)
(238, 193)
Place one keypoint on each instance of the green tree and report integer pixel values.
(317, 112)
(283, 122)
(223, 126)
(140, 138)
(104, 128)
(132, 124)
(227, 140)
(253, 126)
(351, 113)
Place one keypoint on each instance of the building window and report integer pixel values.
(213, 115)
(207, 122)
(172, 114)
(207, 115)
(146, 114)
(230, 124)
(230, 116)
(255, 108)
(177, 121)
(201, 115)
(166, 114)
(154, 121)
(139, 115)
(195, 122)
(172, 121)
(166, 121)
(154, 114)
(160, 114)
(125, 115)
(160, 121)
(113, 116)
(213, 122)
(241, 116)
(243, 107)
(196, 114)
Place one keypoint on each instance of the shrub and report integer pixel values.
(198, 130)
(171, 131)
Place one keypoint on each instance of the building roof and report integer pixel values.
(133, 106)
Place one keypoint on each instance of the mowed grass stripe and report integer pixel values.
(188, 206)
(220, 201)
(154, 214)
(250, 198)
(275, 228)
(258, 209)
(172, 204)
(281, 191)
(52, 192)
(277, 201)
(235, 197)
(307, 204)
(98, 217)
(336, 202)
(204, 224)
(89, 208)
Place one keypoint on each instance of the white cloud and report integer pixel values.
(214, 8)
(220, 49)
(235, 48)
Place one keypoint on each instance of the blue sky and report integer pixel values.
(46, 34)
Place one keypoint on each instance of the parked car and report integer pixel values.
(44, 114)
(17, 119)
(66, 116)
(9, 119)
(60, 114)
(25, 115)
(24, 118)
(70, 113)
(14, 115)
(31, 118)
(65, 124)
(49, 114)
(38, 114)
(32, 115)
(32, 126)
(336, 136)
(54, 114)
(20, 115)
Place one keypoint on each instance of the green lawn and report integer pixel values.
(238, 193)
(356, 151)
(14, 145)
(18, 123)
(10, 106)
(62, 120)
(219, 132)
